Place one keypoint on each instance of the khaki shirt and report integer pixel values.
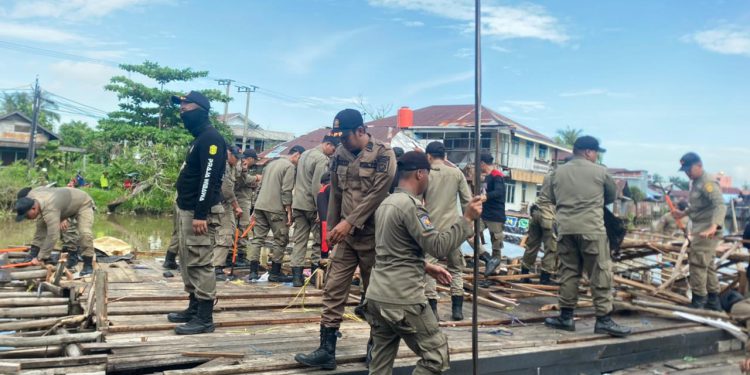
(245, 183)
(706, 204)
(446, 188)
(359, 183)
(667, 224)
(404, 233)
(546, 207)
(227, 185)
(579, 189)
(312, 164)
(278, 181)
(57, 204)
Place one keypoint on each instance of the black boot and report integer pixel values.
(712, 302)
(457, 308)
(605, 324)
(170, 261)
(241, 261)
(484, 257)
(88, 266)
(297, 279)
(220, 275)
(33, 253)
(276, 276)
(360, 309)
(525, 271)
(564, 321)
(253, 275)
(433, 306)
(698, 302)
(184, 316)
(72, 261)
(545, 278)
(325, 356)
(202, 321)
(313, 267)
(491, 265)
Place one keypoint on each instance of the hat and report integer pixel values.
(23, 192)
(412, 161)
(682, 205)
(587, 142)
(296, 149)
(23, 205)
(193, 97)
(436, 149)
(235, 151)
(348, 119)
(332, 140)
(249, 153)
(486, 158)
(687, 161)
(398, 151)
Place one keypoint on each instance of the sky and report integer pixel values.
(651, 79)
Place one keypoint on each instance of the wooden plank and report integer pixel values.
(42, 323)
(13, 341)
(18, 302)
(63, 361)
(33, 312)
(214, 354)
(9, 367)
(100, 286)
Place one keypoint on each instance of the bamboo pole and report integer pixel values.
(42, 323)
(18, 302)
(33, 312)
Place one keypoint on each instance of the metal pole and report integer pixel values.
(228, 84)
(477, 179)
(247, 90)
(34, 124)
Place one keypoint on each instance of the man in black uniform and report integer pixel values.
(199, 213)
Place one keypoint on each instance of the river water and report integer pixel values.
(145, 233)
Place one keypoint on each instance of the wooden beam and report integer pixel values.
(42, 323)
(214, 354)
(14, 341)
(33, 312)
(100, 284)
(17, 302)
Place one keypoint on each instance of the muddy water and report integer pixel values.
(144, 233)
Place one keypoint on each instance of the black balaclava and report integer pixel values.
(195, 121)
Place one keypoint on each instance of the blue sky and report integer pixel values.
(651, 79)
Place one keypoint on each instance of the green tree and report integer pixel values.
(636, 194)
(24, 102)
(680, 182)
(567, 136)
(657, 178)
(141, 105)
(76, 134)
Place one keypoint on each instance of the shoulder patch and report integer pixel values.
(213, 150)
(709, 187)
(383, 163)
(424, 219)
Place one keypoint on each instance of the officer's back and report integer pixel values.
(581, 189)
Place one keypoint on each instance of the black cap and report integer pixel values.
(296, 149)
(398, 151)
(235, 151)
(249, 153)
(687, 161)
(193, 97)
(486, 158)
(587, 142)
(348, 119)
(23, 205)
(332, 140)
(412, 161)
(436, 149)
(682, 205)
(23, 192)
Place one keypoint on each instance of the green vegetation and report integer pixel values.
(143, 140)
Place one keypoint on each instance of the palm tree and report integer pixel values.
(567, 136)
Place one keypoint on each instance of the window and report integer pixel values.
(523, 192)
(529, 149)
(510, 193)
(542, 152)
(22, 128)
(515, 146)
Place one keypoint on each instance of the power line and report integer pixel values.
(52, 53)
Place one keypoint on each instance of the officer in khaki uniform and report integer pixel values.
(199, 213)
(273, 212)
(447, 193)
(579, 189)
(52, 207)
(362, 170)
(667, 224)
(405, 233)
(540, 232)
(228, 224)
(170, 259)
(247, 181)
(707, 211)
(312, 164)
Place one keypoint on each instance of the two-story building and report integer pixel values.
(15, 130)
(256, 137)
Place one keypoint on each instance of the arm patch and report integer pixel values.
(426, 222)
(382, 163)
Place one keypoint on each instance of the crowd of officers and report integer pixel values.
(390, 217)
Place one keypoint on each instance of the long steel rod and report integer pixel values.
(477, 180)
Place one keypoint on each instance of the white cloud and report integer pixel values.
(524, 106)
(437, 82)
(463, 53)
(301, 60)
(594, 92)
(500, 21)
(409, 23)
(70, 9)
(35, 33)
(499, 48)
(727, 39)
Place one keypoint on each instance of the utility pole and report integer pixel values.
(34, 123)
(477, 180)
(247, 90)
(228, 84)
